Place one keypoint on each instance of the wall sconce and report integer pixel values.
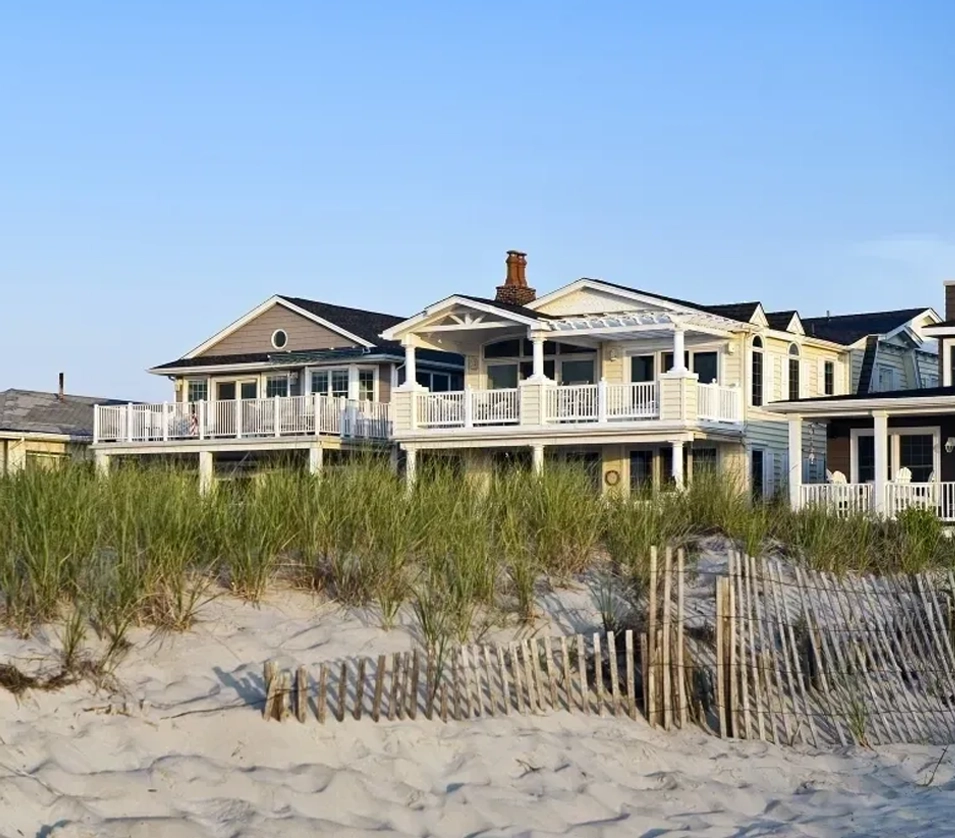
(950, 445)
(614, 353)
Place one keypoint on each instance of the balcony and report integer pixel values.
(547, 404)
(278, 417)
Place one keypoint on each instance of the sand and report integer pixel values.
(200, 761)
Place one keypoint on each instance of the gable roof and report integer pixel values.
(850, 328)
(780, 320)
(741, 312)
(36, 412)
(367, 325)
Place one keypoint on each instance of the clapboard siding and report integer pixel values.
(256, 335)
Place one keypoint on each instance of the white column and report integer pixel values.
(679, 350)
(602, 400)
(881, 443)
(537, 458)
(95, 423)
(537, 344)
(795, 461)
(678, 464)
(411, 366)
(315, 459)
(129, 422)
(353, 383)
(411, 467)
(101, 459)
(468, 407)
(206, 473)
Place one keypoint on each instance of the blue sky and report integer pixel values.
(165, 166)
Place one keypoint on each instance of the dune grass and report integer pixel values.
(142, 547)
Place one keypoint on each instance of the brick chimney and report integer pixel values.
(950, 300)
(515, 290)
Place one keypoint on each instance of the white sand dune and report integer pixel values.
(201, 761)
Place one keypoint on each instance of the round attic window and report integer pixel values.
(279, 338)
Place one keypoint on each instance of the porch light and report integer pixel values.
(950, 445)
(614, 354)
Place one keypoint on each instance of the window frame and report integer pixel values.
(894, 448)
(275, 334)
(203, 382)
(828, 378)
(794, 373)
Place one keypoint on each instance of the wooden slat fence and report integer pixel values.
(763, 651)
(808, 657)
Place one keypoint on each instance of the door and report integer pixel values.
(756, 473)
(225, 391)
(249, 390)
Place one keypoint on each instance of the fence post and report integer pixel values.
(238, 418)
(202, 419)
(277, 417)
(316, 402)
(468, 408)
(165, 421)
(129, 422)
(95, 423)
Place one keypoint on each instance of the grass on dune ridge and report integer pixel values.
(142, 547)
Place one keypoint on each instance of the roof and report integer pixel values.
(780, 320)
(367, 325)
(386, 350)
(741, 312)
(849, 328)
(33, 411)
(511, 307)
(917, 393)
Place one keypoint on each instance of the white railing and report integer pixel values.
(633, 401)
(279, 416)
(575, 403)
(718, 403)
(466, 408)
(935, 497)
(839, 498)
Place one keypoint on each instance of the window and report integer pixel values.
(829, 378)
(704, 461)
(793, 372)
(276, 385)
(503, 349)
(917, 454)
(641, 469)
(886, 379)
(331, 382)
(501, 376)
(577, 372)
(866, 458)
(667, 361)
(706, 366)
(527, 369)
(279, 338)
(366, 385)
(641, 368)
(757, 372)
(197, 390)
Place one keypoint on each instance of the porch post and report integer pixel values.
(537, 344)
(206, 473)
(411, 366)
(353, 391)
(678, 464)
(315, 459)
(101, 459)
(411, 467)
(537, 458)
(679, 350)
(795, 461)
(881, 444)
